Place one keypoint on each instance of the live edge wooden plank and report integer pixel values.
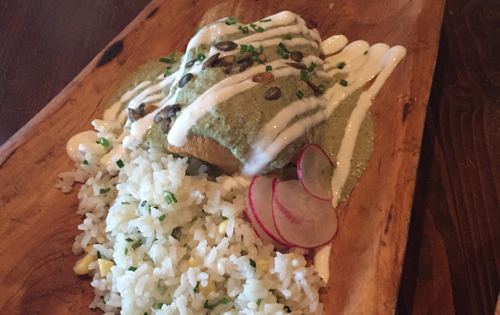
(38, 222)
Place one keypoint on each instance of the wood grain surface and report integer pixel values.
(28, 276)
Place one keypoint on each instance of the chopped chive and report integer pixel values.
(303, 75)
(366, 52)
(162, 217)
(240, 27)
(169, 67)
(195, 290)
(343, 82)
(261, 48)
(280, 51)
(258, 302)
(224, 301)
(200, 56)
(104, 142)
(126, 251)
(143, 203)
(169, 197)
(120, 163)
(172, 57)
(208, 306)
(150, 258)
(252, 25)
(149, 209)
(146, 313)
(128, 239)
(259, 29)
(341, 65)
(160, 305)
(283, 47)
(299, 94)
(251, 49)
(164, 60)
(231, 20)
(99, 255)
(322, 88)
(311, 67)
(286, 56)
(166, 74)
(288, 36)
(269, 68)
(258, 60)
(125, 203)
(104, 191)
(132, 269)
(243, 48)
(244, 30)
(223, 217)
(267, 20)
(252, 263)
(137, 245)
(85, 162)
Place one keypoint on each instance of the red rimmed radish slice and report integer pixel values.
(258, 229)
(315, 170)
(301, 219)
(260, 197)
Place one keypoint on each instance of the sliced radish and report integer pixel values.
(301, 219)
(260, 196)
(248, 213)
(315, 170)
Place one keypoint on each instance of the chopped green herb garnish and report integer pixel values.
(251, 49)
(128, 239)
(166, 74)
(172, 57)
(258, 302)
(176, 233)
(85, 162)
(143, 203)
(303, 75)
(252, 263)
(200, 56)
(146, 313)
(223, 217)
(164, 60)
(160, 305)
(253, 26)
(120, 163)
(149, 209)
(97, 142)
(151, 258)
(299, 94)
(231, 20)
(288, 36)
(341, 65)
(366, 52)
(259, 29)
(224, 301)
(208, 306)
(244, 30)
(240, 27)
(261, 48)
(286, 56)
(280, 51)
(104, 142)
(267, 20)
(195, 290)
(137, 245)
(343, 82)
(169, 197)
(283, 47)
(162, 217)
(132, 269)
(104, 191)
(311, 67)
(243, 48)
(125, 203)
(99, 255)
(322, 88)
(258, 60)
(269, 68)
(126, 251)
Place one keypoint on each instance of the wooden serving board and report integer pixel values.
(38, 223)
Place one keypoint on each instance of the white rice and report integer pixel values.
(133, 224)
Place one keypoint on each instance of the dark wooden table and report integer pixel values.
(452, 261)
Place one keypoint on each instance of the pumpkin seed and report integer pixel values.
(185, 79)
(296, 56)
(226, 46)
(273, 93)
(210, 61)
(133, 115)
(165, 124)
(263, 78)
(297, 65)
